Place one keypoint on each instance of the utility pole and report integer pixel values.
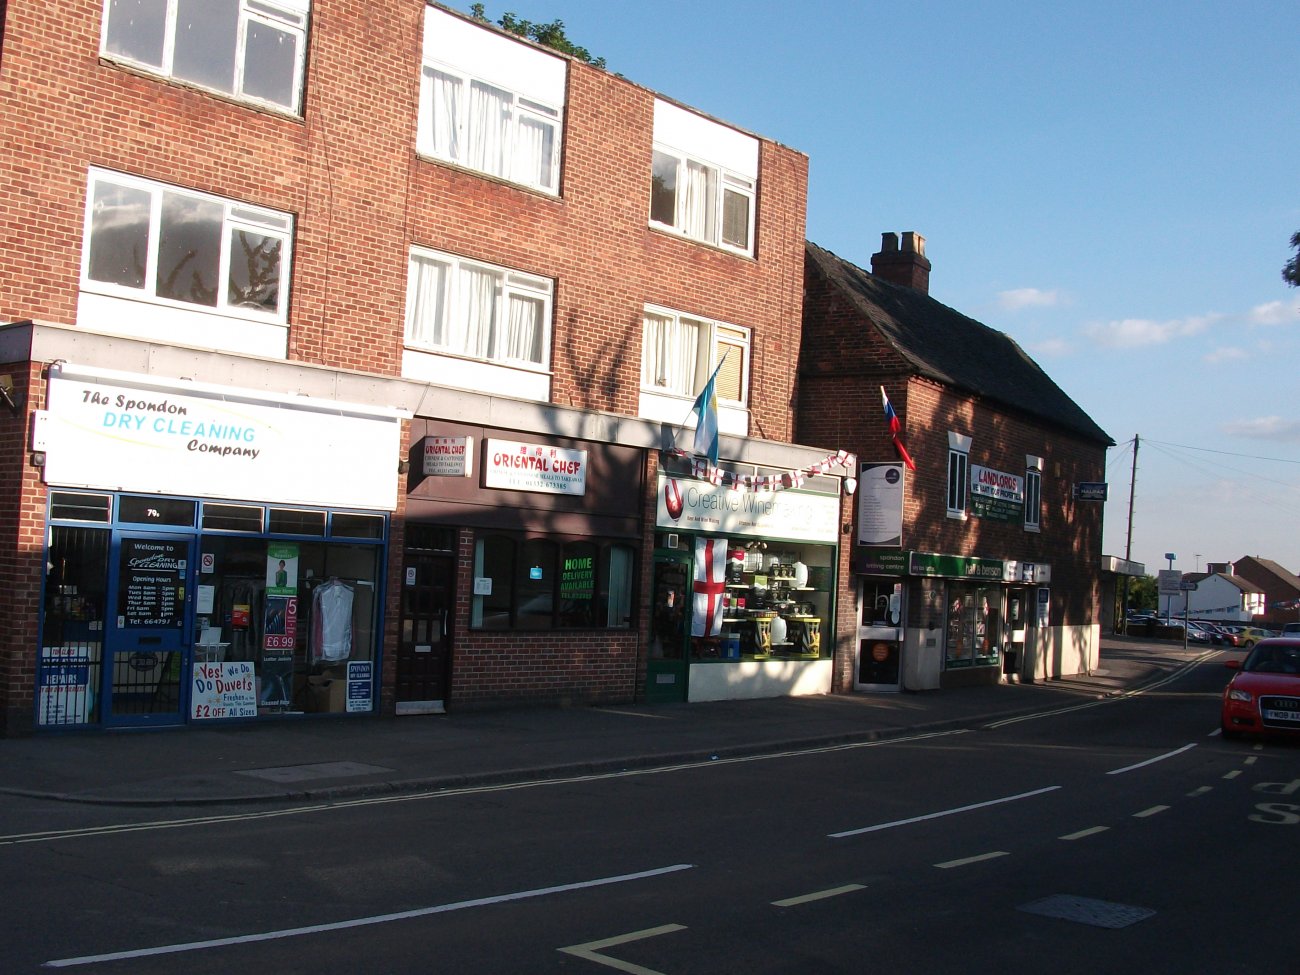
(1128, 545)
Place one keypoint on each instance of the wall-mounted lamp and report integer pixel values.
(9, 396)
(38, 458)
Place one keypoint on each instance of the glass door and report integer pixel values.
(668, 665)
(147, 632)
(880, 635)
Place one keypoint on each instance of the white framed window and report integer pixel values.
(679, 352)
(490, 103)
(180, 248)
(1033, 493)
(479, 311)
(958, 474)
(703, 179)
(253, 50)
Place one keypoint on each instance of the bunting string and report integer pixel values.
(704, 470)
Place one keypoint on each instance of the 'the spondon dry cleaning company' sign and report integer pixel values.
(120, 431)
(534, 467)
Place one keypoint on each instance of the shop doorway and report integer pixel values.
(1017, 619)
(423, 669)
(668, 663)
(880, 635)
(147, 630)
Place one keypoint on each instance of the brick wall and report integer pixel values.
(349, 173)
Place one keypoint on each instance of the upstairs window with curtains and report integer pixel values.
(490, 103)
(703, 180)
(958, 474)
(253, 50)
(467, 308)
(679, 352)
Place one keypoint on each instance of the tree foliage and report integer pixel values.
(1291, 271)
(551, 35)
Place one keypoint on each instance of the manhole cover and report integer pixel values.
(1086, 910)
(321, 770)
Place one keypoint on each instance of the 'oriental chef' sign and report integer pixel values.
(534, 467)
(449, 456)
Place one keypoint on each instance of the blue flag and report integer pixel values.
(706, 422)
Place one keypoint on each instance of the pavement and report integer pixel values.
(322, 759)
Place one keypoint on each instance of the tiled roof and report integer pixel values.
(948, 347)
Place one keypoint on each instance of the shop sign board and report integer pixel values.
(223, 689)
(886, 563)
(515, 466)
(880, 504)
(1091, 491)
(1015, 571)
(120, 431)
(448, 456)
(996, 495)
(686, 504)
(956, 566)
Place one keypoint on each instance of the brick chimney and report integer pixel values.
(908, 266)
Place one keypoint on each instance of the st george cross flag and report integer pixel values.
(710, 586)
(895, 428)
(706, 419)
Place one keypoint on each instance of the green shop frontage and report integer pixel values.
(931, 620)
(742, 591)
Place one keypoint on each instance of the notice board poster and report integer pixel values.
(223, 690)
(151, 582)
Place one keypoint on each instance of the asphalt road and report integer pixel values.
(1119, 835)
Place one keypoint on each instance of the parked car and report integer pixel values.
(1291, 629)
(1248, 636)
(1219, 634)
(1263, 696)
(1195, 632)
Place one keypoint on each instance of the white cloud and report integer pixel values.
(1275, 313)
(1019, 298)
(1225, 354)
(1054, 348)
(1132, 332)
(1265, 428)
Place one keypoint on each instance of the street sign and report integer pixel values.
(1091, 490)
(1187, 585)
(1169, 581)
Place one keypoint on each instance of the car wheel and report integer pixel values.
(1248, 644)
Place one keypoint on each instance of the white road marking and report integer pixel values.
(969, 860)
(1200, 792)
(1252, 759)
(1151, 761)
(818, 895)
(1149, 812)
(1090, 831)
(46, 836)
(365, 921)
(1123, 696)
(940, 815)
(590, 950)
(1233, 774)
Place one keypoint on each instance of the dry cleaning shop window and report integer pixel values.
(532, 583)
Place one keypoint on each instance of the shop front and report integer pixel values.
(933, 621)
(743, 591)
(520, 569)
(211, 553)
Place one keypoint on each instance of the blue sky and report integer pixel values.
(1112, 184)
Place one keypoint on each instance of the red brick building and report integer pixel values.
(985, 559)
(345, 347)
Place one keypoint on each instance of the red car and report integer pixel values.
(1263, 697)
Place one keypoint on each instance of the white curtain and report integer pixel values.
(696, 201)
(489, 114)
(523, 329)
(444, 98)
(470, 327)
(426, 324)
(534, 140)
(670, 353)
